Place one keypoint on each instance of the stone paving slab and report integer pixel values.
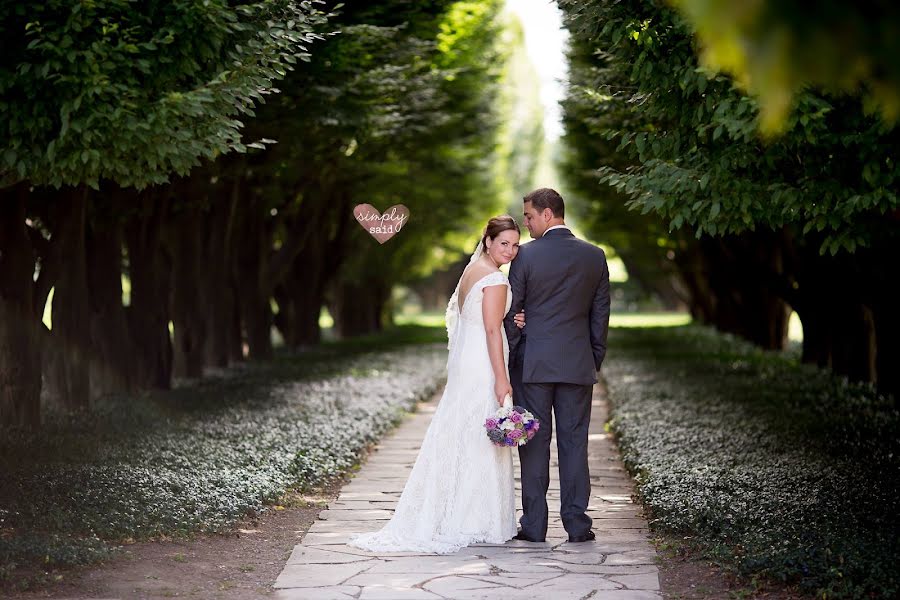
(619, 565)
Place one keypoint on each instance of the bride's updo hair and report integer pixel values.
(495, 226)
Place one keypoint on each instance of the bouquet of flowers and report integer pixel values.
(511, 426)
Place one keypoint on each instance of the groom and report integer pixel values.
(562, 284)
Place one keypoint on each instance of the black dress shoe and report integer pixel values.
(524, 538)
(582, 538)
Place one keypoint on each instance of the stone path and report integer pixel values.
(619, 565)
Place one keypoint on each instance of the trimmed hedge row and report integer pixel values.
(200, 457)
(774, 467)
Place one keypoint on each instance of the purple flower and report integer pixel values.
(529, 425)
(537, 425)
(490, 424)
(519, 409)
(514, 434)
(515, 417)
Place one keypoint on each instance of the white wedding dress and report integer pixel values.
(460, 490)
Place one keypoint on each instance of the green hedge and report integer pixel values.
(200, 457)
(774, 467)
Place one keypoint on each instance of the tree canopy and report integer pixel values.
(776, 49)
(134, 92)
(699, 160)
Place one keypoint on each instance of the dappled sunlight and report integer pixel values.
(326, 321)
(795, 328)
(661, 319)
(424, 319)
(47, 317)
(617, 271)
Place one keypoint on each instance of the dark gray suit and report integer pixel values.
(563, 285)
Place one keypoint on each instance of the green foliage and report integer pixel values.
(203, 456)
(132, 92)
(452, 184)
(591, 108)
(775, 49)
(775, 468)
(698, 159)
(398, 108)
(521, 135)
(433, 141)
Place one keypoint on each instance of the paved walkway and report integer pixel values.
(619, 565)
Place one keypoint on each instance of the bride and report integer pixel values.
(460, 490)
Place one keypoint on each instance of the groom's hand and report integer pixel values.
(519, 318)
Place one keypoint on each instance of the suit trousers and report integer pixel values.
(571, 405)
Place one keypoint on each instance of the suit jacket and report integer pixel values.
(562, 282)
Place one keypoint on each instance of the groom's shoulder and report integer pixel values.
(592, 256)
(587, 246)
(527, 249)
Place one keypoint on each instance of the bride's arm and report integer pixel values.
(493, 310)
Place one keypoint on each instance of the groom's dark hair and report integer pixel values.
(542, 198)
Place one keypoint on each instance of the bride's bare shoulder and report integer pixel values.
(474, 273)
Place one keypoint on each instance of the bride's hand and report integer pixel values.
(501, 389)
(519, 318)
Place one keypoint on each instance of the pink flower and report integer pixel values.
(515, 417)
(537, 425)
(490, 424)
(514, 434)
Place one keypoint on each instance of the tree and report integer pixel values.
(777, 49)
(590, 109)
(115, 91)
(519, 145)
(828, 184)
(443, 169)
(134, 92)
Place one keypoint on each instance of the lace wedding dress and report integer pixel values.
(460, 490)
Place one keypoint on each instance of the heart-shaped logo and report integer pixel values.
(380, 226)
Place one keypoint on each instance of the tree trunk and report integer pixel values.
(739, 271)
(20, 329)
(71, 306)
(887, 337)
(221, 335)
(839, 326)
(189, 304)
(256, 315)
(839, 333)
(694, 274)
(300, 304)
(358, 307)
(112, 369)
(148, 314)
(816, 335)
(853, 354)
(285, 319)
(656, 281)
(253, 295)
(435, 290)
(300, 298)
(236, 352)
